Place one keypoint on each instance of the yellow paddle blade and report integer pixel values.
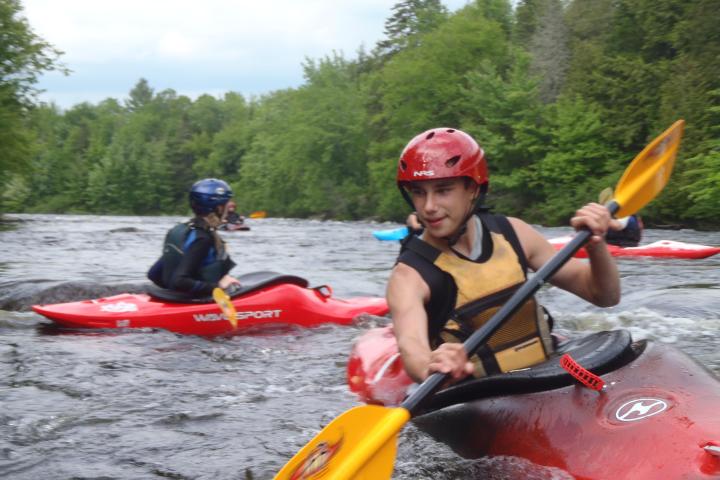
(649, 172)
(258, 214)
(360, 444)
(226, 305)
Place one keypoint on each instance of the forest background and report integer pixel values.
(561, 94)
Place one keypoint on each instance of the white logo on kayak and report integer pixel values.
(640, 409)
(119, 307)
(424, 173)
(259, 314)
(219, 317)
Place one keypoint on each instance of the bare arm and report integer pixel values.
(407, 294)
(597, 281)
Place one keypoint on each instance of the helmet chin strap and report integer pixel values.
(475, 206)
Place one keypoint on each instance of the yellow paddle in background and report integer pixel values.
(258, 214)
(606, 195)
(226, 305)
(361, 443)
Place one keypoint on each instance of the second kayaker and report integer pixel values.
(231, 216)
(468, 262)
(630, 234)
(631, 227)
(194, 258)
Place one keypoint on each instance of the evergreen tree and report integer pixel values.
(140, 95)
(549, 48)
(508, 120)
(410, 19)
(527, 15)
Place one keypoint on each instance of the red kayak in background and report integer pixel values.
(657, 416)
(265, 298)
(661, 248)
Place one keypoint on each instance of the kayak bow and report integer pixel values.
(391, 234)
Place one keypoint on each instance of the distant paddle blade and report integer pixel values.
(226, 305)
(605, 196)
(360, 444)
(258, 214)
(649, 172)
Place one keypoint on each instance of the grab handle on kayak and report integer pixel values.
(323, 291)
(581, 374)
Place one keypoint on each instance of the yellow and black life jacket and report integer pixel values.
(465, 293)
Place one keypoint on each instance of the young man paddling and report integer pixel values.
(468, 262)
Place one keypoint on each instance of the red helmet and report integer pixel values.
(442, 153)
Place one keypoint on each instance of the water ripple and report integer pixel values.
(148, 404)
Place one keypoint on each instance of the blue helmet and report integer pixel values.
(207, 194)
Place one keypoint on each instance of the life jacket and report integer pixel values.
(480, 288)
(178, 241)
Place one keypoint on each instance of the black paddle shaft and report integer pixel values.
(414, 402)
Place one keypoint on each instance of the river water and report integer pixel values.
(153, 404)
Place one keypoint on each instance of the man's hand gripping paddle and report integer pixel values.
(361, 443)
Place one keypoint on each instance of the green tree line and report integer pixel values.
(561, 94)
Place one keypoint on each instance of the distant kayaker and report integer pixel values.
(631, 232)
(194, 258)
(467, 262)
(629, 236)
(413, 223)
(231, 216)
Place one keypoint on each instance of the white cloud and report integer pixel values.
(236, 44)
(176, 45)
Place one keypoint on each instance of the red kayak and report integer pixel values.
(265, 298)
(658, 415)
(661, 248)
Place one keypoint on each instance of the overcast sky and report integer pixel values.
(196, 47)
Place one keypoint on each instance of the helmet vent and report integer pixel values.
(403, 165)
(450, 130)
(430, 135)
(451, 162)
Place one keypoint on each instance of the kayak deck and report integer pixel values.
(653, 420)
